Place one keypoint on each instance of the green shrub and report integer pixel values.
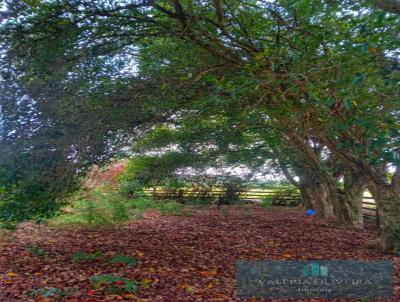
(100, 208)
(119, 211)
(170, 208)
(84, 257)
(173, 189)
(147, 171)
(199, 202)
(33, 182)
(8, 225)
(130, 261)
(37, 251)
(114, 284)
(287, 196)
(91, 213)
(18, 205)
(232, 188)
(202, 189)
(130, 188)
(46, 292)
(142, 203)
(112, 206)
(266, 203)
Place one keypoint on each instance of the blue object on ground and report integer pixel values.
(310, 212)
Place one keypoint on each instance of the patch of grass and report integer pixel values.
(173, 208)
(102, 209)
(98, 209)
(119, 211)
(198, 202)
(170, 208)
(114, 284)
(84, 257)
(8, 225)
(46, 292)
(266, 204)
(130, 261)
(92, 212)
(37, 251)
(142, 203)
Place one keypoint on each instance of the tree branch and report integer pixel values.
(289, 176)
(220, 14)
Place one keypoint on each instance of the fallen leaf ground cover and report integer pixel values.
(177, 258)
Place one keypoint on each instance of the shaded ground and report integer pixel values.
(187, 258)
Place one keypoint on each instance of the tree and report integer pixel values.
(214, 136)
(310, 67)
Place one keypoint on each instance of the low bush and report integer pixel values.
(96, 209)
(85, 257)
(120, 211)
(202, 189)
(172, 190)
(173, 208)
(102, 209)
(287, 196)
(170, 208)
(16, 205)
(8, 225)
(114, 284)
(45, 293)
(198, 202)
(123, 259)
(91, 213)
(142, 203)
(266, 203)
(37, 251)
(232, 188)
(130, 188)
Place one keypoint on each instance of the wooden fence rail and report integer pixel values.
(256, 195)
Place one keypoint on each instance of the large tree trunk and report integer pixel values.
(329, 200)
(320, 182)
(386, 194)
(349, 211)
(354, 187)
(388, 203)
(316, 195)
(346, 202)
(322, 191)
(387, 200)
